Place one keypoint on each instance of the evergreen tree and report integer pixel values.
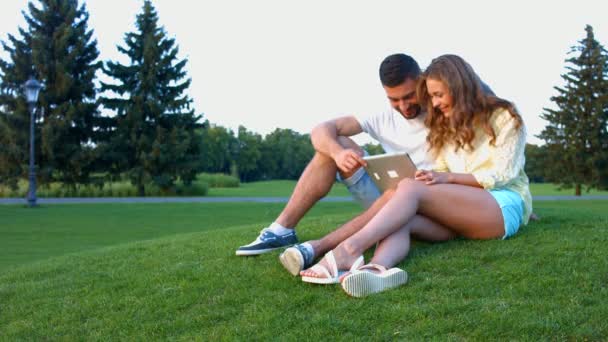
(152, 135)
(57, 49)
(576, 136)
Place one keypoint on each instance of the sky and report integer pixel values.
(270, 64)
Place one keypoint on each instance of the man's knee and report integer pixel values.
(347, 142)
(320, 158)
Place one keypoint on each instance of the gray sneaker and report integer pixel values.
(296, 259)
(268, 241)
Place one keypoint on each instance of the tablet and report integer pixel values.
(386, 170)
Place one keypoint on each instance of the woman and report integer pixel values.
(478, 190)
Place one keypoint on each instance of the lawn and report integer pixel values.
(168, 271)
(283, 188)
(275, 188)
(52, 230)
(549, 189)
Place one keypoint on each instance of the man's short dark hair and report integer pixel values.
(397, 68)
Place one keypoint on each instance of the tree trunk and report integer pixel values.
(141, 190)
(577, 191)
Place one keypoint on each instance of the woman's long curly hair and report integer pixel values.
(472, 107)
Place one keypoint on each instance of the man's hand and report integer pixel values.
(348, 160)
(432, 177)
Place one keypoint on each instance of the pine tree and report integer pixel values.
(153, 131)
(57, 49)
(576, 137)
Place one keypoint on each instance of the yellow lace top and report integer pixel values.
(499, 166)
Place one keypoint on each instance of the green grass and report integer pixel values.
(549, 189)
(276, 188)
(51, 230)
(218, 185)
(114, 189)
(547, 283)
(283, 188)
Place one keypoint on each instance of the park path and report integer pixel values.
(77, 200)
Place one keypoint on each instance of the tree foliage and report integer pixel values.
(285, 153)
(218, 148)
(536, 162)
(373, 149)
(282, 154)
(249, 155)
(152, 136)
(576, 136)
(58, 49)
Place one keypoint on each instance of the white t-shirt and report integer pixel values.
(398, 134)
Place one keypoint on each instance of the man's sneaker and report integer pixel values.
(296, 259)
(268, 241)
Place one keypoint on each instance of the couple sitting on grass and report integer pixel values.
(468, 146)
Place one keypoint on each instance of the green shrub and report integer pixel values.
(152, 190)
(86, 191)
(218, 180)
(198, 188)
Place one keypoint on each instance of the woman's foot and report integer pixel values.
(329, 269)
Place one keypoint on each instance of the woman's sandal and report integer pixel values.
(363, 281)
(332, 275)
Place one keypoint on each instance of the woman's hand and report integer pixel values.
(432, 177)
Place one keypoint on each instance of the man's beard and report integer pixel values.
(413, 113)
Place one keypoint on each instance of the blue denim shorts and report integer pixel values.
(361, 187)
(512, 207)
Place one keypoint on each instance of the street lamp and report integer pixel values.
(32, 88)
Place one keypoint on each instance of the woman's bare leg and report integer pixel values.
(467, 211)
(331, 240)
(395, 247)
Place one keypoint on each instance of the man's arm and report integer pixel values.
(324, 139)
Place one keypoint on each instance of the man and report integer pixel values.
(401, 129)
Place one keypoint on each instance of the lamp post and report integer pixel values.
(32, 88)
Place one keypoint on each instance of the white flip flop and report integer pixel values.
(332, 276)
(363, 282)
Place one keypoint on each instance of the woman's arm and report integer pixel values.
(507, 157)
(436, 177)
(441, 174)
(506, 160)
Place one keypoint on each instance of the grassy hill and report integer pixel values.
(549, 282)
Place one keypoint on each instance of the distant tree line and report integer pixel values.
(139, 124)
(281, 154)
